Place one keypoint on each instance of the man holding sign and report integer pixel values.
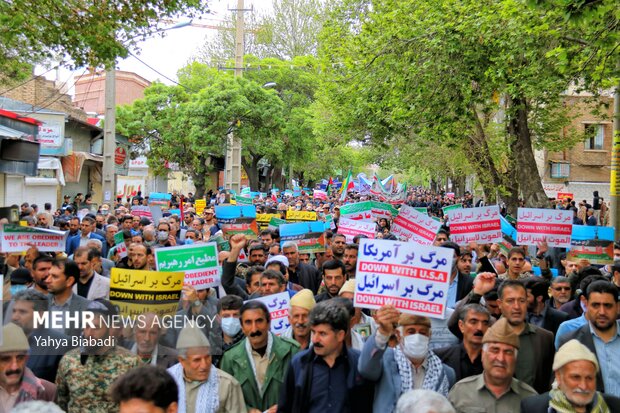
(409, 365)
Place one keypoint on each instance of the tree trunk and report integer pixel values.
(527, 178)
(251, 169)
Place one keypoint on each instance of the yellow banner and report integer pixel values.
(153, 282)
(300, 215)
(265, 218)
(201, 204)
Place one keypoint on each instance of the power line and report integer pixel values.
(27, 81)
(161, 74)
(60, 95)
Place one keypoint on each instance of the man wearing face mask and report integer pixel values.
(408, 366)
(228, 310)
(164, 238)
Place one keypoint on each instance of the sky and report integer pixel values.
(169, 53)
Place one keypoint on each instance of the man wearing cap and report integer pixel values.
(17, 382)
(495, 390)
(575, 369)
(300, 306)
(259, 361)
(201, 386)
(409, 365)
(86, 373)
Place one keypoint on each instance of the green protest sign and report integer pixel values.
(197, 261)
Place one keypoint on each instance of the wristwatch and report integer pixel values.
(197, 303)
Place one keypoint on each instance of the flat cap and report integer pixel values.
(501, 332)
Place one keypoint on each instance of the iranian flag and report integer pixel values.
(347, 185)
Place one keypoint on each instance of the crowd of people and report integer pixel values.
(511, 341)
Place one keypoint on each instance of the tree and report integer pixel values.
(84, 32)
(190, 127)
(473, 76)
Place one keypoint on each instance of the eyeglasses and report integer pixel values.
(561, 288)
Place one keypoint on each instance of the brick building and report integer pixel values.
(585, 167)
(90, 90)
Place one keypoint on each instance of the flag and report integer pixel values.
(347, 185)
(328, 190)
(318, 194)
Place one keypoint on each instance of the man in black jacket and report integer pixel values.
(465, 357)
(460, 284)
(298, 272)
(575, 370)
(539, 312)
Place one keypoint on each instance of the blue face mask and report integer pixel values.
(189, 241)
(17, 288)
(231, 326)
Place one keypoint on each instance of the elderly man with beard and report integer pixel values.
(575, 370)
(300, 306)
(495, 390)
(17, 382)
(147, 333)
(86, 373)
(410, 365)
(201, 386)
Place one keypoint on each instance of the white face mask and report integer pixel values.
(231, 326)
(415, 346)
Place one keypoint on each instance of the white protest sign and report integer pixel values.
(415, 226)
(16, 238)
(551, 225)
(481, 225)
(278, 305)
(350, 228)
(413, 278)
(197, 261)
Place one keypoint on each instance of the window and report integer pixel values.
(595, 132)
(560, 170)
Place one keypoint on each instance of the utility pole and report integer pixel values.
(109, 136)
(614, 183)
(232, 163)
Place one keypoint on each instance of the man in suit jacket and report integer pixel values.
(601, 313)
(575, 368)
(81, 238)
(539, 312)
(90, 285)
(460, 284)
(465, 358)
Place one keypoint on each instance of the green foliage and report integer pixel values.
(83, 32)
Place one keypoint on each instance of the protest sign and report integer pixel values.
(535, 225)
(350, 228)
(137, 292)
(359, 211)
(414, 226)
(141, 211)
(243, 200)
(16, 238)
(382, 210)
(278, 306)
(275, 223)
(587, 232)
(451, 208)
(565, 196)
(319, 194)
(121, 247)
(329, 222)
(300, 215)
(237, 220)
(422, 210)
(413, 278)
(200, 205)
(159, 198)
(197, 261)
(481, 225)
(597, 251)
(309, 236)
(263, 219)
(156, 213)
